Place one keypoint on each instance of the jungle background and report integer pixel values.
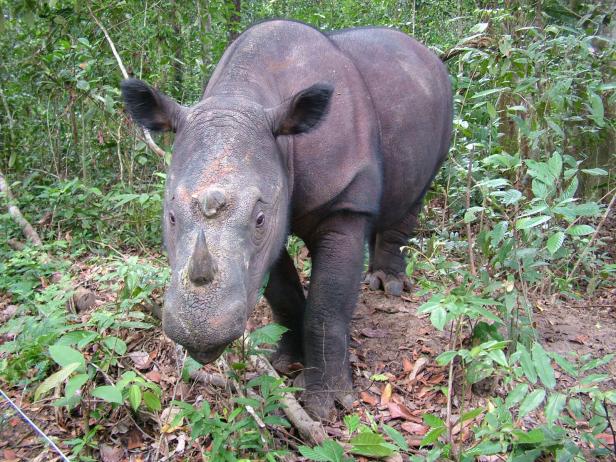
(504, 350)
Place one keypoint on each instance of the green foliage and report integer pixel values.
(533, 137)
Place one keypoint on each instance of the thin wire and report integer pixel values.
(33, 425)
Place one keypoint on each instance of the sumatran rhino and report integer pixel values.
(332, 137)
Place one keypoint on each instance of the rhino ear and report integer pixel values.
(304, 112)
(150, 108)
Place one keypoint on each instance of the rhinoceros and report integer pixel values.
(333, 137)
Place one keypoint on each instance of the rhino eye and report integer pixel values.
(171, 218)
(260, 219)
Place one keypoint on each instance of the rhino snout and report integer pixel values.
(206, 336)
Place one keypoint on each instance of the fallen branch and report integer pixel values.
(16, 214)
(147, 137)
(312, 431)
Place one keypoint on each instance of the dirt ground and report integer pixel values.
(388, 337)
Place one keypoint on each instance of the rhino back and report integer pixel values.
(334, 167)
(411, 93)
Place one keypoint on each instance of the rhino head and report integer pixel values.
(226, 204)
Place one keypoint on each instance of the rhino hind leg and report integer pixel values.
(387, 267)
(285, 295)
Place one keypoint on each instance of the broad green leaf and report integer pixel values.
(151, 401)
(74, 383)
(555, 164)
(555, 242)
(432, 436)
(508, 197)
(540, 189)
(597, 110)
(527, 364)
(134, 396)
(108, 393)
(569, 192)
(531, 402)
(595, 171)
(565, 365)
(531, 222)
(543, 366)
(470, 214)
(371, 445)
(269, 334)
(469, 415)
(556, 403)
(438, 317)
(516, 395)
(115, 344)
(580, 230)
(55, 379)
(433, 421)
(396, 437)
(492, 91)
(315, 454)
(532, 437)
(65, 355)
(351, 422)
(446, 357)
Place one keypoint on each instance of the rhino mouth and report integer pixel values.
(207, 356)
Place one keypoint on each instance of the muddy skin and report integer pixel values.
(335, 138)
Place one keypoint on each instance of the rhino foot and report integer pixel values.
(321, 405)
(392, 284)
(287, 360)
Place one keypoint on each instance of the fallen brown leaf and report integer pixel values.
(407, 366)
(141, 359)
(606, 437)
(373, 333)
(154, 376)
(110, 453)
(368, 398)
(420, 364)
(134, 439)
(414, 428)
(398, 411)
(386, 394)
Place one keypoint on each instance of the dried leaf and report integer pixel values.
(141, 359)
(134, 439)
(398, 411)
(417, 368)
(373, 333)
(414, 428)
(368, 398)
(386, 394)
(110, 453)
(154, 376)
(407, 366)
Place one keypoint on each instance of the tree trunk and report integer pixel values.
(234, 20)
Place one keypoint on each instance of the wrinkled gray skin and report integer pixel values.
(270, 149)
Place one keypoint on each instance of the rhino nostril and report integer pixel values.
(202, 267)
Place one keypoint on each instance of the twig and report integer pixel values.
(16, 214)
(146, 134)
(609, 424)
(25, 418)
(594, 236)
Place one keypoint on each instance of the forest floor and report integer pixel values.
(387, 337)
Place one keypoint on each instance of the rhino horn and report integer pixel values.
(202, 267)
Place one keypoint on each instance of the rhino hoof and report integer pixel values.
(392, 284)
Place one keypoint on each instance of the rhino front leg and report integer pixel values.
(337, 249)
(285, 295)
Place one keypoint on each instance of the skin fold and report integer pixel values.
(335, 138)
